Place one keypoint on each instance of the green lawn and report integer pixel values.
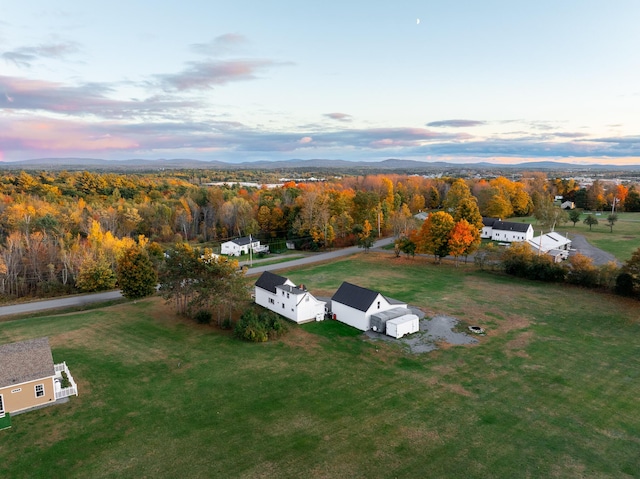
(621, 242)
(551, 391)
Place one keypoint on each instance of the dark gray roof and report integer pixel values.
(291, 289)
(268, 281)
(355, 296)
(25, 361)
(489, 221)
(242, 241)
(509, 226)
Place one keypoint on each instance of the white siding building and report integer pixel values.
(242, 245)
(509, 232)
(354, 305)
(282, 296)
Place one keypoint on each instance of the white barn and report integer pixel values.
(242, 245)
(282, 296)
(354, 305)
(553, 244)
(509, 232)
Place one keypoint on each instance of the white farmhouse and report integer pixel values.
(242, 245)
(282, 296)
(354, 305)
(487, 227)
(509, 232)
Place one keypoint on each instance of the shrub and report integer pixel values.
(624, 284)
(203, 317)
(259, 327)
(65, 383)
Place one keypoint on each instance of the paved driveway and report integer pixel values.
(580, 244)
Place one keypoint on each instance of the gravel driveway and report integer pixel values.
(432, 331)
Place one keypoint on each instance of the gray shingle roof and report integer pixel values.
(25, 361)
(486, 221)
(509, 226)
(268, 281)
(242, 241)
(355, 296)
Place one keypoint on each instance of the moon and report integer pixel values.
(417, 21)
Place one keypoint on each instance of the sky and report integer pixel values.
(506, 81)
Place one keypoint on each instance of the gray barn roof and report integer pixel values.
(509, 226)
(25, 361)
(486, 221)
(355, 296)
(268, 281)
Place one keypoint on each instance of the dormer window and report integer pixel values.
(378, 304)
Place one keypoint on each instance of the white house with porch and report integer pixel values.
(354, 305)
(282, 296)
(243, 245)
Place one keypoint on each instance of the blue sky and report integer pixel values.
(504, 81)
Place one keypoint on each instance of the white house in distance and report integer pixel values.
(242, 245)
(553, 244)
(355, 306)
(282, 296)
(487, 227)
(508, 232)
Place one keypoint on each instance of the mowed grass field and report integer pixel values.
(551, 391)
(621, 242)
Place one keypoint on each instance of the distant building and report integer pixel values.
(508, 232)
(553, 244)
(422, 216)
(568, 205)
(242, 245)
(487, 227)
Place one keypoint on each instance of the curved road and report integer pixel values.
(73, 301)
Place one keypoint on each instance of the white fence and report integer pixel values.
(65, 392)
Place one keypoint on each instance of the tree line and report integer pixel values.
(65, 232)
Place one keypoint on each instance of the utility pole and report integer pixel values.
(250, 251)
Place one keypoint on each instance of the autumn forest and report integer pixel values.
(59, 230)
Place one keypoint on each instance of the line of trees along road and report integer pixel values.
(66, 232)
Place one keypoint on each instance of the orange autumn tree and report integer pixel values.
(463, 239)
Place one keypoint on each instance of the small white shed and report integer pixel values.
(407, 324)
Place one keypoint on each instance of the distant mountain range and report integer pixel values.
(293, 164)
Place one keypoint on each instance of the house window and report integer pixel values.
(271, 301)
(39, 390)
(13, 391)
(307, 299)
(287, 295)
(378, 304)
(283, 293)
(282, 305)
